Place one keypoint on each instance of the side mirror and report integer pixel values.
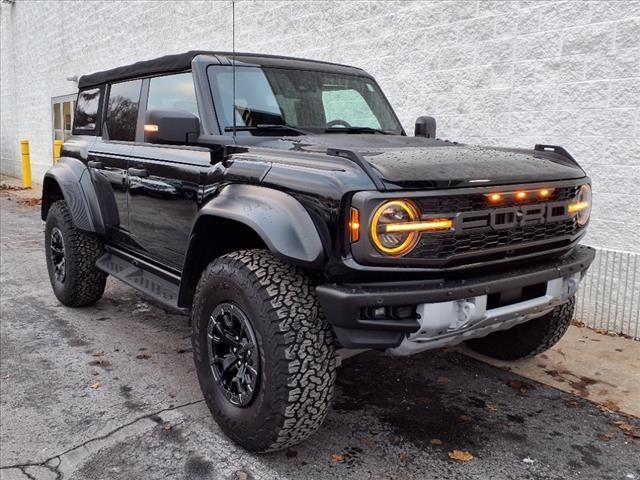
(171, 125)
(425, 127)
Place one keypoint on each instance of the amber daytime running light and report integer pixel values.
(582, 208)
(396, 227)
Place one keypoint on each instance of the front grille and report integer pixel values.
(449, 248)
(482, 232)
(478, 201)
(443, 246)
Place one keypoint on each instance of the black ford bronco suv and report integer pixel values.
(280, 204)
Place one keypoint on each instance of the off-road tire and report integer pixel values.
(83, 283)
(528, 339)
(297, 356)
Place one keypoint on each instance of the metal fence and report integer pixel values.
(609, 297)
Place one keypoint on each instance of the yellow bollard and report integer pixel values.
(26, 163)
(57, 150)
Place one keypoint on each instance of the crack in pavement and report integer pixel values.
(26, 474)
(56, 469)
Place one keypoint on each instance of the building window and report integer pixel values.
(122, 112)
(62, 109)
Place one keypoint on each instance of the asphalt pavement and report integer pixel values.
(110, 392)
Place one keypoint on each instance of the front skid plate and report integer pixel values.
(449, 323)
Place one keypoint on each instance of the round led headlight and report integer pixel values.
(394, 212)
(584, 201)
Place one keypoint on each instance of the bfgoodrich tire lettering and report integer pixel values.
(81, 282)
(528, 339)
(297, 357)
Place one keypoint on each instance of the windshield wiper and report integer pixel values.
(356, 130)
(264, 127)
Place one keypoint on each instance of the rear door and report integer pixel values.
(164, 180)
(109, 156)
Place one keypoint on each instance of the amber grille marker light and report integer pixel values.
(521, 195)
(354, 224)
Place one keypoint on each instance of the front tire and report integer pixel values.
(71, 259)
(264, 355)
(527, 339)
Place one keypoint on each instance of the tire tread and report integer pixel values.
(300, 340)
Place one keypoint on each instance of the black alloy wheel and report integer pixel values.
(233, 354)
(71, 257)
(57, 254)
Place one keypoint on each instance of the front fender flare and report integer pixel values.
(280, 220)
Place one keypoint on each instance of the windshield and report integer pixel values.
(311, 101)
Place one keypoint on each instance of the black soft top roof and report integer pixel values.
(182, 61)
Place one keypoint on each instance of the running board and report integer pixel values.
(138, 275)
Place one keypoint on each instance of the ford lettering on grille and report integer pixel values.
(509, 217)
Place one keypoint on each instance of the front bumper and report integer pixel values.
(448, 311)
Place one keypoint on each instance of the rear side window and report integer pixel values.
(122, 110)
(87, 111)
(173, 91)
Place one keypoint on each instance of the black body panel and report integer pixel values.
(402, 162)
(164, 185)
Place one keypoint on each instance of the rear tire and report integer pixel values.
(71, 259)
(527, 339)
(253, 301)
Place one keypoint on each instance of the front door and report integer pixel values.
(163, 199)
(164, 180)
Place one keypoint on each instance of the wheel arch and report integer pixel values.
(69, 180)
(250, 216)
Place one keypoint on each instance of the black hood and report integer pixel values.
(415, 162)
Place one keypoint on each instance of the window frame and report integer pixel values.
(172, 74)
(97, 130)
(139, 127)
(142, 113)
(218, 113)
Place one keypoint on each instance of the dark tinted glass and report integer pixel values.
(310, 100)
(173, 91)
(122, 112)
(87, 109)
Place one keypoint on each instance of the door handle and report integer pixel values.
(138, 172)
(95, 164)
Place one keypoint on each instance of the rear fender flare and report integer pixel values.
(72, 177)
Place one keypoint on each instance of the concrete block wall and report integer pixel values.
(509, 73)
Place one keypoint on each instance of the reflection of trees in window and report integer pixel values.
(87, 109)
(122, 118)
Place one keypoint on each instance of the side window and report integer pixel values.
(349, 106)
(87, 106)
(173, 91)
(122, 110)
